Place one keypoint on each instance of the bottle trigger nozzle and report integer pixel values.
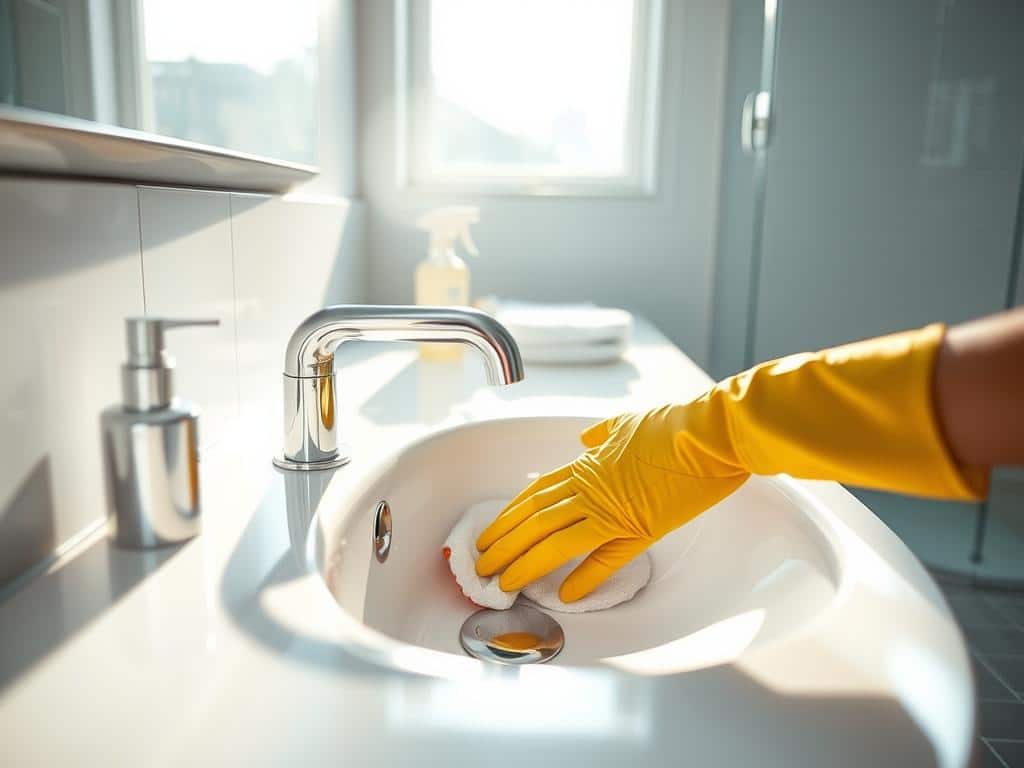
(448, 224)
(467, 240)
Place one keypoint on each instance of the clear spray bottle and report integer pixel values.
(443, 277)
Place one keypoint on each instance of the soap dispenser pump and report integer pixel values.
(150, 444)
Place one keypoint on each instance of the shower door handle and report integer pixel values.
(756, 122)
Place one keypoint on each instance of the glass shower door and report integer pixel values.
(888, 193)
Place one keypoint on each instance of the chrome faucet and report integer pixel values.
(310, 387)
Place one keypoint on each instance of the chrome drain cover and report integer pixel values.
(519, 635)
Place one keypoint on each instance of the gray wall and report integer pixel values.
(1004, 526)
(1018, 292)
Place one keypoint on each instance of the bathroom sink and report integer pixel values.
(753, 555)
(757, 569)
(786, 601)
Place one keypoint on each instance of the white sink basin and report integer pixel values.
(756, 556)
(787, 604)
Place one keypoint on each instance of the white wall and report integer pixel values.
(79, 257)
(69, 273)
(651, 255)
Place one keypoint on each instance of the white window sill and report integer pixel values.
(555, 187)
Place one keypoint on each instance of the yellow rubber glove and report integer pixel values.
(860, 414)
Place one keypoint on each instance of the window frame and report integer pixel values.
(134, 86)
(412, 70)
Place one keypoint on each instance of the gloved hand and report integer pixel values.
(860, 413)
(640, 478)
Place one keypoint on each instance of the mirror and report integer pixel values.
(227, 73)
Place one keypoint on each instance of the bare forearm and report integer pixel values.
(979, 389)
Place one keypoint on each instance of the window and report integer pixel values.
(531, 96)
(235, 74)
(232, 73)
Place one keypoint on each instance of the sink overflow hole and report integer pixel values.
(382, 531)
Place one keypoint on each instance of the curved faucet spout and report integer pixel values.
(314, 341)
(309, 381)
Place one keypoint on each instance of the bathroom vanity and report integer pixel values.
(787, 626)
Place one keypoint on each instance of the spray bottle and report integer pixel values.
(443, 278)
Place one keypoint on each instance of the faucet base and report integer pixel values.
(311, 466)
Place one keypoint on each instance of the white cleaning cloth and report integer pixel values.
(460, 549)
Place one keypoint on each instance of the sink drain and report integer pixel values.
(520, 635)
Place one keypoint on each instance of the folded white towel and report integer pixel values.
(563, 323)
(564, 333)
(460, 548)
(565, 354)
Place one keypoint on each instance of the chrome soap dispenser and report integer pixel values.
(150, 444)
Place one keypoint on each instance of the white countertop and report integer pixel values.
(174, 657)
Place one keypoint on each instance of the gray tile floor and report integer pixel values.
(993, 621)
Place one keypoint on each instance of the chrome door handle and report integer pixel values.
(756, 122)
